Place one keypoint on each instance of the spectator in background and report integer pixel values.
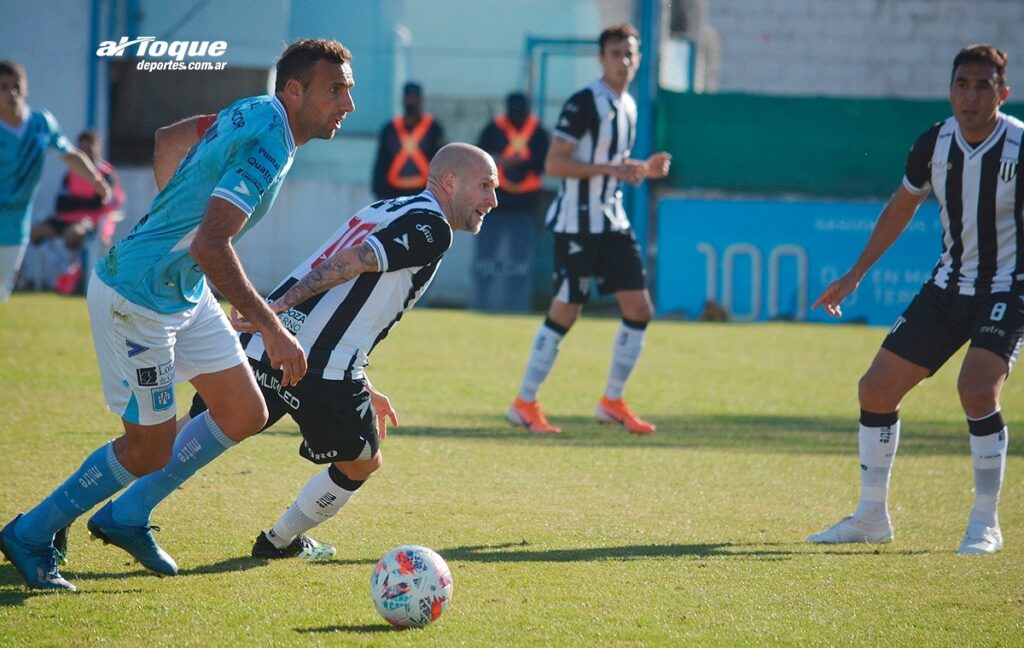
(80, 212)
(503, 266)
(25, 134)
(407, 144)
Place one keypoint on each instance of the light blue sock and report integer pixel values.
(100, 476)
(198, 443)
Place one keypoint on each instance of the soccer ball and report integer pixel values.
(411, 586)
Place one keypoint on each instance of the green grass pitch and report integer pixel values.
(692, 536)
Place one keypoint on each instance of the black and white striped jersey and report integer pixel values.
(338, 328)
(603, 127)
(981, 195)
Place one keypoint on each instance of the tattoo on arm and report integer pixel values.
(341, 267)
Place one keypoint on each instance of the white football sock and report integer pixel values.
(319, 500)
(629, 342)
(877, 451)
(988, 454)
(542, 358)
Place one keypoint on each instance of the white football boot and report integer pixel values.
(850, 529)
(980, 539)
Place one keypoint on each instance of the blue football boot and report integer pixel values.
(136, 540)
(37, 564)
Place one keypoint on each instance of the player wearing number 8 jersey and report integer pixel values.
(976, 293)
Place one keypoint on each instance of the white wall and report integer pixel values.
(858, 48)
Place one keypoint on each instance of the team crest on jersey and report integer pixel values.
(1007, 169)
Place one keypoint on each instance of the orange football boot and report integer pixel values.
(530, 416)
(616, 411)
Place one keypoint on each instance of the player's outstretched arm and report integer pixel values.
(81, 164)
(891, 222)
(214, 253)
(171, 143)
(341, 267)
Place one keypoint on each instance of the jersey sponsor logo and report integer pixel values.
(241, 188)
(150, 46)
(269, 158)
(427, 232)
(319, 456)
(163, 398)
(237, 119)
(251, 178)
(402, 240)
(1007, 169)
(134, 348)
(156, 376)
(292, 320)
(271, 382)
(264, 171)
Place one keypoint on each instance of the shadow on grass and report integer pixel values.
(19, 594)
(361, 628)
(515, 552)
(761, 432)
(509, 552)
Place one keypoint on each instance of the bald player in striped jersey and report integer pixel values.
(590, 151)
(972, 163)
(339, 304)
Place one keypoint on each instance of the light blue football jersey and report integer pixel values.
(22, 153)
(242, 158)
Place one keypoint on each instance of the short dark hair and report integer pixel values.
(298, 60)
(617, 33)
(12, 68)
(981, 53)
(89, 135)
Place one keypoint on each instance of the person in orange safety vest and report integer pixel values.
(405, 147)
(504, 259)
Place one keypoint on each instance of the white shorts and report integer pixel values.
(10, 261)
(142, 353)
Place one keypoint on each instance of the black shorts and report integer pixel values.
(938, 322)
(335, 417)
(612, 258)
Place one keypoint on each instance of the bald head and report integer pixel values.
(458, 158)
(463, 179)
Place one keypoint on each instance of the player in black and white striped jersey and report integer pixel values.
(976, 293)
(593, 239)
(339, 304)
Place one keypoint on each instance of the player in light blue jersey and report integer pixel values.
(25, 134)
(155, 321)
